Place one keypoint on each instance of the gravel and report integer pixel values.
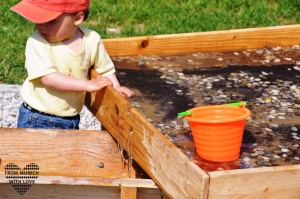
(10, 101)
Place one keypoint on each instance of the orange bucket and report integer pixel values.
(218, 131)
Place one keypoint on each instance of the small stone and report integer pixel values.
(277, 151)
(260, 152)
(294, 129)
(267, 129)
(260, 162)
(272, 159)
(266, 159)
(277, 60)
(296, 137)
(292, 148)
(274, 125)
(246, 159)
(254, 154)
(259, 157)
(252, 165)
(267, 164)
(285, 150)
(284, 155)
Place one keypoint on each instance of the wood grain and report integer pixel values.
(214, 41)
(89, 181)
(62, 153)
(128, 192)
(162, 160)
(258, 183)
(48, 191)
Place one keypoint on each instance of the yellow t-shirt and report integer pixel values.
(43, 58)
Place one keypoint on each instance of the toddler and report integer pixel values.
(59, 55)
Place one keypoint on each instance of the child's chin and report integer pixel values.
(48, 38)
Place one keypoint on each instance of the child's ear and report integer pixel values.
(79, 18)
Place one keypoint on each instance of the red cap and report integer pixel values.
(42, 11)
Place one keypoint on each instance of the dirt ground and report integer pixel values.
(143, 75)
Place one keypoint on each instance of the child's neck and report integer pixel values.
(75, 43)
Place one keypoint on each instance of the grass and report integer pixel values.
(147, 17)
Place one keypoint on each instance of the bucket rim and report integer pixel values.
(242, 117)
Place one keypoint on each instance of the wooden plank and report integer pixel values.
(144, 193)
(62, 152)
(162, 160)
(89, 181)
(61, 187)
(260, 183)
(67, 161)
(39, 191)
(214, 41)
(128, 192)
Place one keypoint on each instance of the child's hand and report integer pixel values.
(98, 83)
(124, 91)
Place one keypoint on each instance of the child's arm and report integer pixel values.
(124, 91)
(60, 81)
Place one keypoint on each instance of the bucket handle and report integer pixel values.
(241, 104)
(186, 113)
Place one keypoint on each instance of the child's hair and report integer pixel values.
(86, 14)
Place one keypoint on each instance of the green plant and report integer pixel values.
(146, 17)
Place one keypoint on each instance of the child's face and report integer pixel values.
(59, 29)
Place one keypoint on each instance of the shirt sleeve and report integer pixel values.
(38, 58)
(103, 63)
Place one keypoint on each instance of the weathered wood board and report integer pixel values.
(68, 165)
(214, 41)
(259, 183)
(176, 174)
(62, 153)
(82, 188)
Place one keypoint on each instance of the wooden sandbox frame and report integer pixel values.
(188, 181)
(169, 168)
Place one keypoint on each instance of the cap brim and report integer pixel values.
(34, 13)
